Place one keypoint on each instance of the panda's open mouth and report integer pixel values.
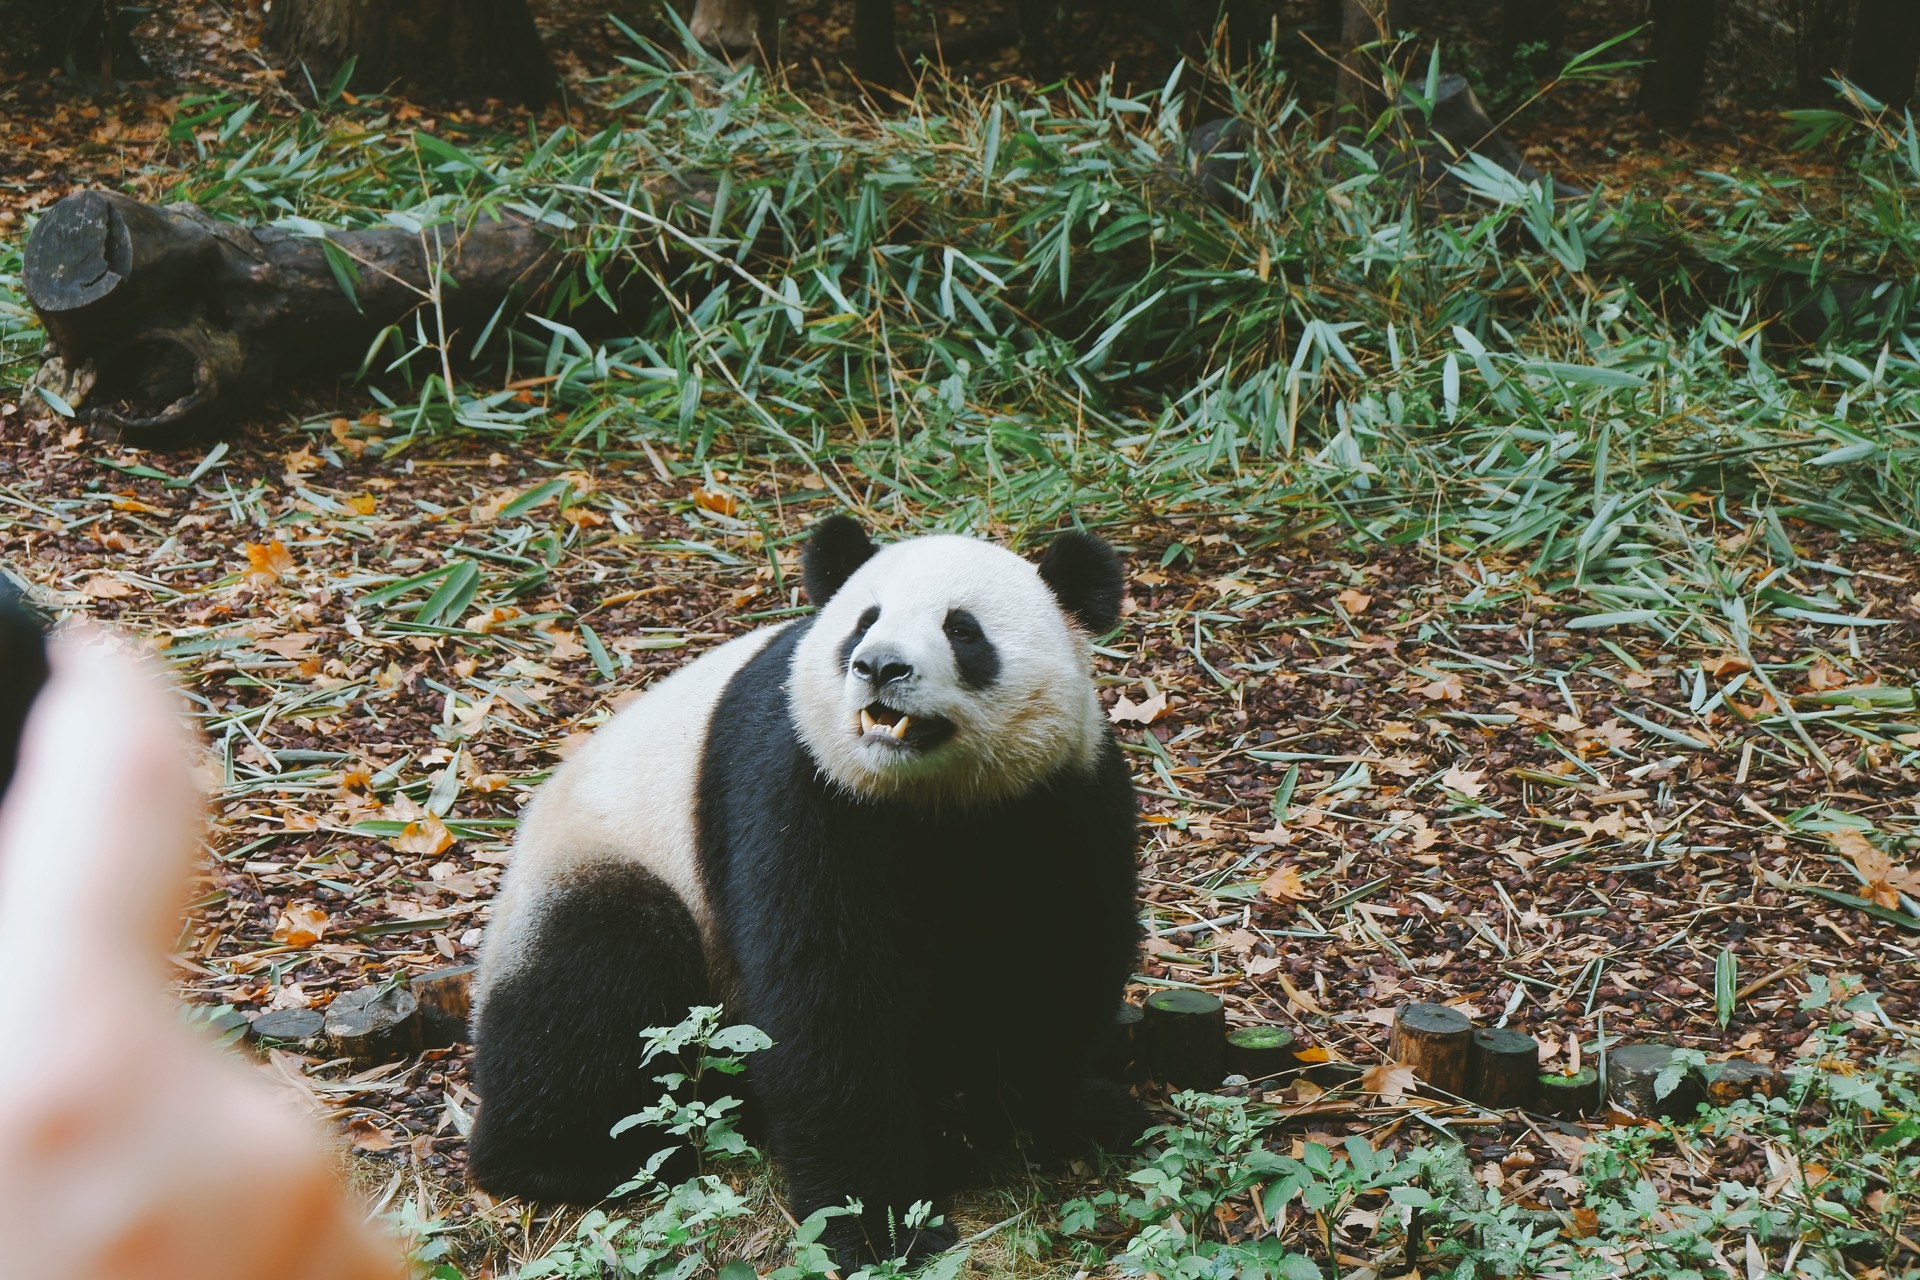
(884, 724)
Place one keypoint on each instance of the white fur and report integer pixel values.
(1040, 714)
(627, 794)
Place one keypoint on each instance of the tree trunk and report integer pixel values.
(1670, 84)
(1886, 44)
(87, 37)
(164, 320)
(1361, 78)
(434, 49)
(1819, 40)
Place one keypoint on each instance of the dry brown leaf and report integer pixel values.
(1283, 885)
(268, 562)
(361, 504)
(1884, 881)
(718, 501)
(1448, 688)
(425, 836)
(301, 925)
(1388, 1079)
(487, 620)
(1354, 602)
(1727, 664)
(1127, 711)
(1276, 835)
(1468, 782)
(104, 586)
(1823, 675)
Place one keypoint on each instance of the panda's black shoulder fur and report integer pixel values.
(897, 955)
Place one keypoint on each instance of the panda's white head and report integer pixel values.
(947, 670)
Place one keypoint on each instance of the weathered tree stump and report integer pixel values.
(446, 1001)
(288, 1026)
(1727, 1082)
(1633, 1071)
(736, 28)
(1503, 1069)
(164, 320)
(376, 1024)
(437, 49)
(1436, 1041)
(1185, 1034)
(1884, 49)
(1261, 1052)
(1570, 1096)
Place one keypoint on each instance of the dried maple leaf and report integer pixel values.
(361, 504)
(1354, 602)
(1283, 885)
(1388, 1079)
(425, 836)
(1275, 835)
(1465, 781)
(1822, 675)
(1448, 688)
(1127, 711)
(718, 501)
(566, 644)
(301, 925)
(268, 562)
(1727, 664)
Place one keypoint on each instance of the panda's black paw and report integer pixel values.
(1109, 1117)
(875, 1237)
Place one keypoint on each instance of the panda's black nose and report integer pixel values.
(881, 669)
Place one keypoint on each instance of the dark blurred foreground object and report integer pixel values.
(164, 320)
(23, 669)
(443, 50)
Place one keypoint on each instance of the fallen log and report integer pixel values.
(162, 321)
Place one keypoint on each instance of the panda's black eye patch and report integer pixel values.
(868, 616)
(974, 656)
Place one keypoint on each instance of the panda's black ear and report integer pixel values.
(1085, 576)
(836, 547)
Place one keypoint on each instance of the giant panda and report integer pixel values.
(895, 835)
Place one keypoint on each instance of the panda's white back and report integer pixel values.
(628, 795)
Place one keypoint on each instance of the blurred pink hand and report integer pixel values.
(130, 1149)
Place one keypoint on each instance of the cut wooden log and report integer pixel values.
(1633, 1072)
(1504, 1068)
(1261, 1052)
(446, 1002)
(1570, 1096)
(375, 1024)
(1437, 1042)
(1727, 1082)
(1186, 1038)
(288, 1026)
(164, 320)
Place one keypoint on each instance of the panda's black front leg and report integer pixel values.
(845, 1123)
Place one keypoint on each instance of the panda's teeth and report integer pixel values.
(867, 722)
(899, 729)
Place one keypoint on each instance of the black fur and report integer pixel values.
(557, 1043)
(836, 547)
(23, 669)
(1085, 576)
(974, 654)
(874, 942)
